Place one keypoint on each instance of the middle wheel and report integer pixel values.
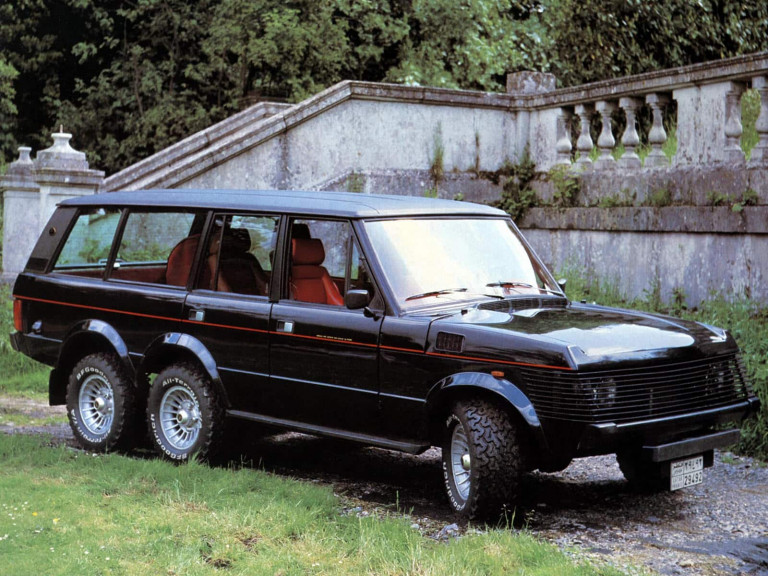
(482, 461)
(183, 413)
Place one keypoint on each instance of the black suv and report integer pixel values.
(393, 321)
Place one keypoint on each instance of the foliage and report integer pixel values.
(566, 184)
(750, 110)
(517, 194)
(112, 514)
(596, 39)
(470, 44)
(746, 319)
(659, 198)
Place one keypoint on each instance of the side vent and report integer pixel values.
(448, 342)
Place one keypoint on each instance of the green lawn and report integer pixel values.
(68, 512)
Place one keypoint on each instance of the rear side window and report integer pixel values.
(156, 248)
(87, 247)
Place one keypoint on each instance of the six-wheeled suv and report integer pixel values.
(392, 321)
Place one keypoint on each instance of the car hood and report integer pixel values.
(583, 333)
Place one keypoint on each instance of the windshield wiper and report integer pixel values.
(510, 284)
(517, 284)
(435, 293)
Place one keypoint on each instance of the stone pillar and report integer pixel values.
(702, 118)
(733, 128)
(564, 146)
(32, 190)
(657, 136)
(584, 143)
(630, 139)
(606, 141)
(760, 151)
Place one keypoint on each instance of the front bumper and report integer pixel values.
(609, 437)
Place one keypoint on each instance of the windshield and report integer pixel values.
(459, 259)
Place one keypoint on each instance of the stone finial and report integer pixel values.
(61, 156)
(529, 82)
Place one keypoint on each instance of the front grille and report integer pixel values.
(637, 393)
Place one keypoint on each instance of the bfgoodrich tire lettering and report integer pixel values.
(183, 414)
(482, 461)
(100, 403)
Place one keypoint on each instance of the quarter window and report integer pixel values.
(87, 247)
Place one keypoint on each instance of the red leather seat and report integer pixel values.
(310, 282)
(180, 261)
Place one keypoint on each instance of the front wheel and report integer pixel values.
(183, 413)
(100, 403)
(482, 459)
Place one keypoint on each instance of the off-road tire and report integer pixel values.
(184, 415)
(641, 475)
(496, 460)
(101, 403)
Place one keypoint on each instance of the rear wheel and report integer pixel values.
(100, 403)
(482, 460)
(183, 413)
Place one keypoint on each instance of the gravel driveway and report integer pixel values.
(717, 528)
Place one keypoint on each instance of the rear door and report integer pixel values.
(228, 309)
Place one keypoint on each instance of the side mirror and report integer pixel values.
(562, 283)
(357, 299)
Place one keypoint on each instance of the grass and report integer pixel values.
(745, 319)
(68, 512)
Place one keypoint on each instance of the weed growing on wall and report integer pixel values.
(517, 195)
(437, 166)
(566, 184)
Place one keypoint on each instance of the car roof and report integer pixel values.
(300, 202)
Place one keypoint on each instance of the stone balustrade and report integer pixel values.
(708, 116)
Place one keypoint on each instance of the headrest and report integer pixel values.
(300, 230)
(236, 241)
(307, 251)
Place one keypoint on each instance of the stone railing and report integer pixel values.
(708, 124)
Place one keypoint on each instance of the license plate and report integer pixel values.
(688, 472)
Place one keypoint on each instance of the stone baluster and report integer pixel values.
(606, 141)
(733, 128)
(584, 143)
(630, 139)
(760, 151)
(563, 145)
(657, 135)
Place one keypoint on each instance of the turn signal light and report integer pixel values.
(17, 315)
(497, 374)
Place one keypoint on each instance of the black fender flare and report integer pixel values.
(171, 344)
(108, 339)
(504, 390)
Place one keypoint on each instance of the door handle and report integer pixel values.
(285, 326)
(197, 315)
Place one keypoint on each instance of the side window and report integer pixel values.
(239, 255)
(87, 247)
(157, 248)
(325, 262)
